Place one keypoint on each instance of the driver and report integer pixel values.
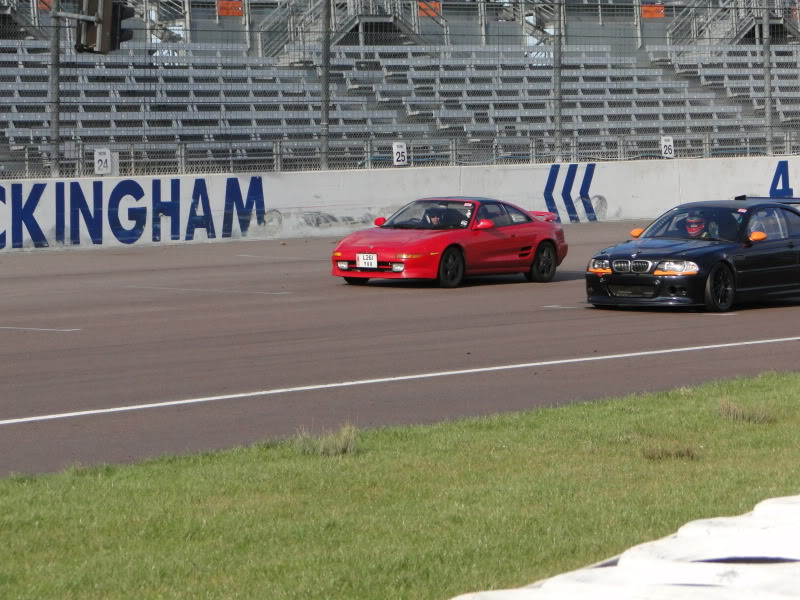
(434, 216)
(696, 225)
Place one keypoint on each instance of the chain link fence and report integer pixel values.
(238, 86)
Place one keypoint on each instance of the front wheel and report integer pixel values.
(720, 289)
(356, 280)
(543, 268)
(451, 268)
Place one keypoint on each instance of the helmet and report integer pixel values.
(435, 213)
(695, 224)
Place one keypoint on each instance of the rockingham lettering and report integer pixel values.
(41, 214)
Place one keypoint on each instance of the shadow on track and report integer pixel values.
(743, 307)
(475, 281)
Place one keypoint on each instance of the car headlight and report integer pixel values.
(676, 267)
(601, 266)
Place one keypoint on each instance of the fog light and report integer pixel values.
(398, 267)
(342, 264)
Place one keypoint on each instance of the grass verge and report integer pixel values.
(415, 512)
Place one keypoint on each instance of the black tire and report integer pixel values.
(720, 289)
(356, 280)
(451, 268)
(543, 267)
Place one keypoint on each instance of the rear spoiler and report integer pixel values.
(544, 215)
(782, 200)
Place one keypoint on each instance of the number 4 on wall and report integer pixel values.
(780, 181)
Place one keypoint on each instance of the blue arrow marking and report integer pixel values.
(588, 174)
(548, 192)
(566, 193)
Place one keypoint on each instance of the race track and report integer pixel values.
(215, 326)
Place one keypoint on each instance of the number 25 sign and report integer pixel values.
(399, 154)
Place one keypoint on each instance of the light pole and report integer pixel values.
(325, 91)
(55, 90)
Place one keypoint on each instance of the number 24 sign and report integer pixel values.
(102, 161)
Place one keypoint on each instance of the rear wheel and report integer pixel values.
(720, 289)
(451, 268)
(543, 268)
(356, 280)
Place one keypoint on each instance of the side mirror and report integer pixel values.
(380, 221)
(485, 224)
(758, 236)
(637, 232)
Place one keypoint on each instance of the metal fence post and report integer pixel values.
(557, 112)
(368, 154)
(79, 166)
(325, 83)
(767, 80)
(453, 152)
(276, 156)
(55, 90)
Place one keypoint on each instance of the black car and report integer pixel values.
(703, 254)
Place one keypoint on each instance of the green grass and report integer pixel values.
(416, 512)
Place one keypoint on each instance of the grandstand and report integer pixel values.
(235, 86)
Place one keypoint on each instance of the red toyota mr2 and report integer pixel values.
(446, 239)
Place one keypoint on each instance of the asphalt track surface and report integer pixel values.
(89, 331)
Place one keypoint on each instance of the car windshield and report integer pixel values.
(704, 223)
(432, 214)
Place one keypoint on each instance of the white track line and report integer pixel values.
(280, 257)
(325, 386)
(557, 306)
(172, 289)
(38, 329)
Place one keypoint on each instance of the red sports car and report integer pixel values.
(448, 238)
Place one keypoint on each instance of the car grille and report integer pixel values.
(632, 291)
(382, 266)
(631, 266)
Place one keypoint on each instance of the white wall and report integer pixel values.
(119, 211)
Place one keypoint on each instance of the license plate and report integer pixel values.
(367, 261)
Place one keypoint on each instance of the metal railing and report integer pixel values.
(300, 21)
(701, 22)
(32, 161)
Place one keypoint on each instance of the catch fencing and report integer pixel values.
(248, 86)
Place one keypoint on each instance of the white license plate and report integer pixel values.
(367, 261)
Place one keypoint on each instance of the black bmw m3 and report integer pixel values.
(708, 254)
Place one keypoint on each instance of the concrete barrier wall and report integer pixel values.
(160, 210)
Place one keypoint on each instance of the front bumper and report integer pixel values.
(423, 267)
(645, 290)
